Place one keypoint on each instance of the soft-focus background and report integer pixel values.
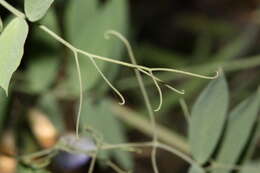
(197, 35)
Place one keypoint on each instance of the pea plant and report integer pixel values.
(219, 140)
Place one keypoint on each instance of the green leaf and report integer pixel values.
(196, 169)
(87, 23)
(240, 124)
(48, 103)
(36, 9)
(41, 73)
(100, 117)
(208, 116)
(12, 41)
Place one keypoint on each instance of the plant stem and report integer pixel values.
(227, 66)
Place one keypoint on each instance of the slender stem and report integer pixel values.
(37, 154)
(228, 66)
(186, 73)
(12, 9)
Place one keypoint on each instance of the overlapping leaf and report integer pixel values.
(207, 119)
(240, 124)
(36, 9)
(87, 23)
(12, 41)
(100, 118)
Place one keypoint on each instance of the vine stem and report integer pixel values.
(135, 66)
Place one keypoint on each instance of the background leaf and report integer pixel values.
(36, 9)
(12, 41)
(100, 118)
(240, 124)
(207, 119)
(196, 169)
(87, 33)
(41, 73)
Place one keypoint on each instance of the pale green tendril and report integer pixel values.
(162, 82)
(108, 82)
(80, 93)
(159, 91)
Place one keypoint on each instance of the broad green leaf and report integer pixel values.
(36, 9)
(41, 73)
(12, 41)
(48, 103)
(100, 117)
(87, 23)
(1, 24)
(196, 169)
(208, 116)
(239, 127)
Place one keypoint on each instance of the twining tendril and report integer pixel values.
(80, 93)
(108, 82)
(163, 82)
(159, 91)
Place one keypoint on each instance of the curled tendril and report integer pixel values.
(162, 82)
(108, 82)
(159, 91)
